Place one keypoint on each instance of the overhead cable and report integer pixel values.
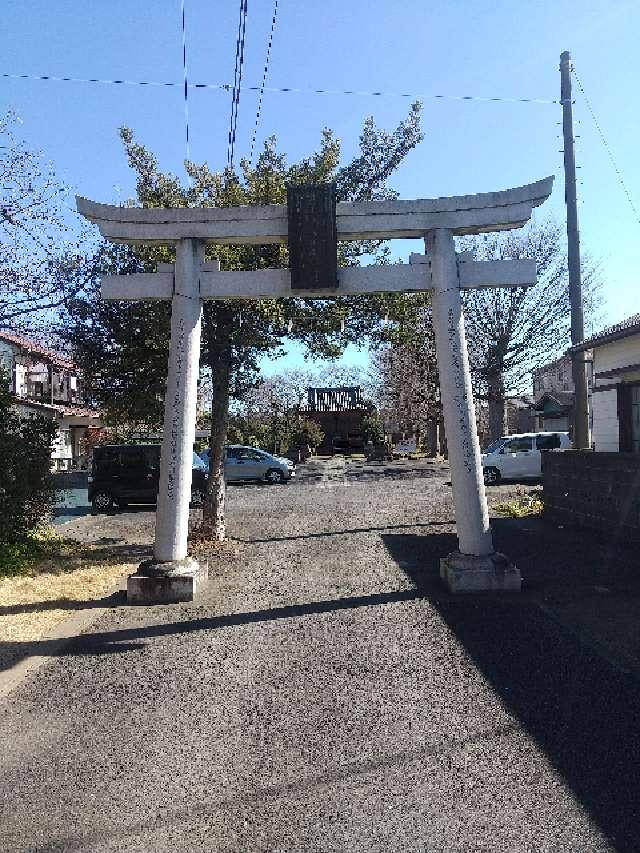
(186, 82)
(264, 79)
(607, 147)
(228, 87)
(237, 82)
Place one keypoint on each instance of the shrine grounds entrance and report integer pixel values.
(313, 221)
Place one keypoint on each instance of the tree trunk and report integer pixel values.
(219, 350)
(497, 404)
(431, 440)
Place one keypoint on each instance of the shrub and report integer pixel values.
(373, 429)
(40, 550)
(234, 434)
(307, 433)
(26, 485)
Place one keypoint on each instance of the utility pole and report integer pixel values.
(581, 405)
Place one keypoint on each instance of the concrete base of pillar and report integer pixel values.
(493, 573)
(166, 583)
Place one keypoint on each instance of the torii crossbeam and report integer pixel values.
(476, 565)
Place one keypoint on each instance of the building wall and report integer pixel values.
(606, 431)
(594, 490)
(614, 363)
(37, 379)
(6, 355)
(520, 417)
(554, 424)
(617, 354)
(337, 425)
(555, 376)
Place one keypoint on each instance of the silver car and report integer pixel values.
(249, 463)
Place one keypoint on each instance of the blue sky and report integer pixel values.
(502, 49)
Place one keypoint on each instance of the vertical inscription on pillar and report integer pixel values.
(176, 408)
(461, 398)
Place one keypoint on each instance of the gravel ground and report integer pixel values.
(325, 693)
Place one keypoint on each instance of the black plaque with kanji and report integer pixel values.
(313, 236)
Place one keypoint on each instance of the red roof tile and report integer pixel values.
(34, 348)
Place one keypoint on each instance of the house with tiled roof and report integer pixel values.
(616, 386)
(47, 383)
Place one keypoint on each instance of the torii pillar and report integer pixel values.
(173, 576)
(475, 566)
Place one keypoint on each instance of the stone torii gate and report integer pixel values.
(172, 575)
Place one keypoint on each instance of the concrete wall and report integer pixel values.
(595, 490)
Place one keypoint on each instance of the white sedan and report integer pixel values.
(519, 457)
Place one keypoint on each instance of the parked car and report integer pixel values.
(519, 457)
(130, 473)
(249, 463)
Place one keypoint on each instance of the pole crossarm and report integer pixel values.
(253, 224)
(276, 284)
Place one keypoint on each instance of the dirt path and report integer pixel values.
(326, 694)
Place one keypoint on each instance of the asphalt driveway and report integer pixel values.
(326, 694)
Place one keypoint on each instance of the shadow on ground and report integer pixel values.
(71, 511)
(126, 639)
(111, 600)
(579, 706)
(328, 534)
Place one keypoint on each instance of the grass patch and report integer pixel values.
(522, 507)
(46, 577)
(41, 550)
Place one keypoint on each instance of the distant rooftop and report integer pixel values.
(33, 348)
(335, 399)
(62, 409)
(628, 327)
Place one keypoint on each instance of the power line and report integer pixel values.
(237, 82)
(228, 87)
(607, 147)
(264, 78)
(186, 83)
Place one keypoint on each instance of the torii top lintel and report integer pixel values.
(388, 219)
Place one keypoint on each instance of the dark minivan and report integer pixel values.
(130, 473)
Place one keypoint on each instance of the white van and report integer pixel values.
(519, 457)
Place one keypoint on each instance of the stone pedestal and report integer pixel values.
(166, 583)
(490, 573)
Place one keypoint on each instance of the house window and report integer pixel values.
(518, 445)
(635, 419)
